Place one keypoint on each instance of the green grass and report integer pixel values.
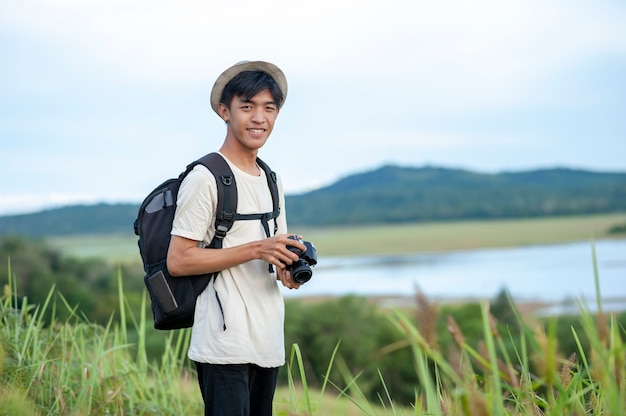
(74, 367)
(116, 247)
(462, 235)
(485, 379)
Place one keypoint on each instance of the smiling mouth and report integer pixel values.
(256, 130)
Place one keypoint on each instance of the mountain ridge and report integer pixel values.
(388, 194)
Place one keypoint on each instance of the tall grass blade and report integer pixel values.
(330, 366)
(596, 276)
(295, 351)
(121, 297)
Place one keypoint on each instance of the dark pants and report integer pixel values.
(237, 389)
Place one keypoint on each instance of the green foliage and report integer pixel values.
(455, 359)
(88, 284)
(468, 317)
(320, 326)
(72, 220)
(362, 331)
(618, 229)
(481, 370)
(502, 309)
(73, 367)
(393, 194)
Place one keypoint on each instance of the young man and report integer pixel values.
(237, 339)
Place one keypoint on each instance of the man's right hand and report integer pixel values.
(274, 250)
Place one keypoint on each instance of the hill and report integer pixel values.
(394, 194)
(390, 194)
(73, 220)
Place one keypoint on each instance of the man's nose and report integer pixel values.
(258, 115)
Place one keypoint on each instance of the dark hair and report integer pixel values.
(247, 84)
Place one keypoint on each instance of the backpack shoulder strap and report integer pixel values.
(272, 183)
(225, 213)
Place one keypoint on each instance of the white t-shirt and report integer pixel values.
(239, 317)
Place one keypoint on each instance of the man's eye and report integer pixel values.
(270, 108)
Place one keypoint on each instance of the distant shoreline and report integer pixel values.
(460, 235)
(394, 238)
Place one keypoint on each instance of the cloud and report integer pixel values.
(159, 41)
(113, 88)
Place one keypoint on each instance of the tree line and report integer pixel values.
(394, 194)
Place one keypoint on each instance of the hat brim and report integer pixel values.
(233, 71)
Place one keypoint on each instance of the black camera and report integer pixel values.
(301, 269)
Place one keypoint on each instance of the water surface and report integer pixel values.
(546, 272)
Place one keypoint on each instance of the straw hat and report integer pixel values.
(233, 71)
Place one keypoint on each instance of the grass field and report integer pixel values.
(394, 239)
(76, 368)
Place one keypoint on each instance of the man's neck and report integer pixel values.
(243, 159)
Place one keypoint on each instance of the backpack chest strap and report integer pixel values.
(224, 221)
(265, 219)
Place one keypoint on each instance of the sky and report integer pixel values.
(102, 100)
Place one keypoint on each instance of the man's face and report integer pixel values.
(250, 122)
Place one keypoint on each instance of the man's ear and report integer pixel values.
(223, 111)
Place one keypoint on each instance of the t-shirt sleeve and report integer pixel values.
(196, 205)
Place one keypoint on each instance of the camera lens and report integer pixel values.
(301, 272)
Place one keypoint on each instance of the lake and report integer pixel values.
(546, 273)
